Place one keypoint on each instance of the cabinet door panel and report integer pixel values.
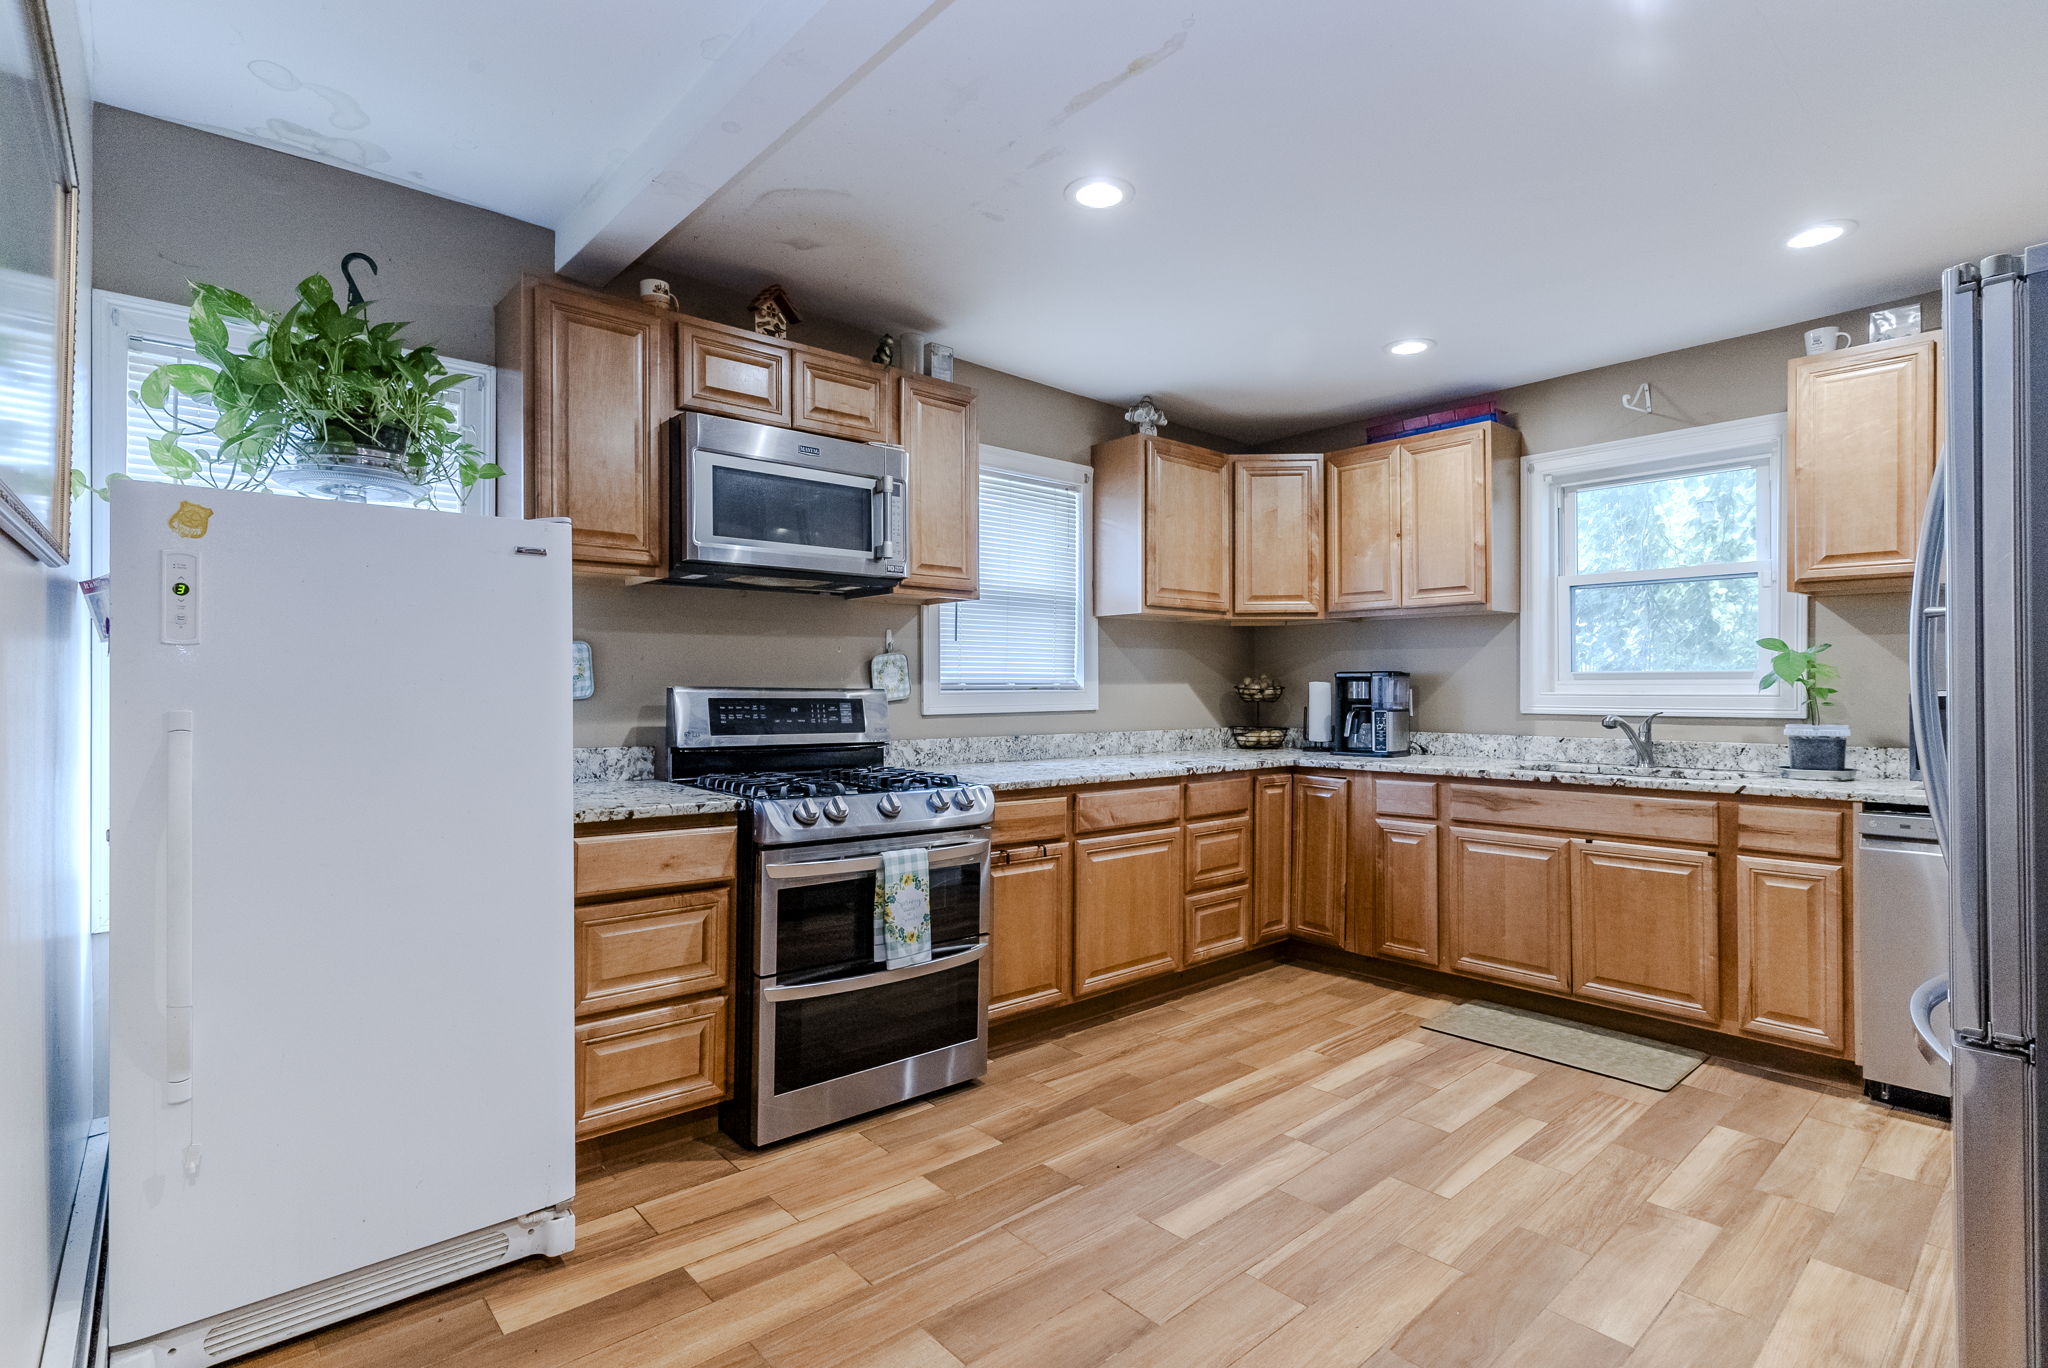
(1219, 853)
(1031, 926)
(635, 1066)
(1646, 929)
(638, 950)
(1219, 923)
(1508, 907)
(1272, 841)
(1187, 528)
(727, 371)
(937, 427)
(1790, 942)
(1322, 856)
(1277, 511)
(1363, 529)
(594, 416)
(843, 397)
(1445, 518)
(1862, 437)
(1405, 871)
(1127, 908)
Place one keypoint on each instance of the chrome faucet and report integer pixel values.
(1646, 753)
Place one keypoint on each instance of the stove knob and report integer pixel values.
(806, 812)
(963, 799)
(938, 802)
(888, 806)
(835, 810)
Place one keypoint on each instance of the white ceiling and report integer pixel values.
(1541, 187)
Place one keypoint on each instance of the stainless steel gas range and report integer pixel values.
(827, 1029)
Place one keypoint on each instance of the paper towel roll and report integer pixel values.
(1317, 730)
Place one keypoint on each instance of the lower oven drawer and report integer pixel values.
(818, 1036)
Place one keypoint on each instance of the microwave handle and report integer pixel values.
(879, 539)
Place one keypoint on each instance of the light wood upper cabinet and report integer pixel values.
(936, 425)
(1791, 938)
(1508, 905)
(1127, 908)
(1277, 538)
(732, 372)
(1322, 856)
(1272, 852)
(583, 389)
(841, 397)
(1426, 524)
(1405, 917)
(1363, 529)
(1646, 929)
(1162, 529)
(1031, 925)
(1863, 431)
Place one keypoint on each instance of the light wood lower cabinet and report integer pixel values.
(1031, 920)
(1219, 853)
(1405, 919)
(635, 1066)
(1646, 929)
(1272, 855)
(1508, 907)
(1790, 927)
(1322, 856)
(637, 950)
(1219, 923)
(1127, 908)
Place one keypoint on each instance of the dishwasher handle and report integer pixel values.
(1921, 1005)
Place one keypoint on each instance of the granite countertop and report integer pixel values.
(617, 800)
(1100, 769)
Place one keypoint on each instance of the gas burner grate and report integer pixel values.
(892, 779)
(773, 784)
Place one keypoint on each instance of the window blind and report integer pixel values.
(1025, 631)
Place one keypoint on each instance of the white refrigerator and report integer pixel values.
(340, 985)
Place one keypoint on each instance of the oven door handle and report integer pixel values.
(956, 852)
(937, 964)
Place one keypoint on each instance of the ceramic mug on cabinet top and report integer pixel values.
(1825, 340)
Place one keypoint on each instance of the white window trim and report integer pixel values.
(936, 702)
(1547, 686)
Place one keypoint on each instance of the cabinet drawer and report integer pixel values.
(639, 950)
(1789, 830)
(738, 374)
(1219, 923)
(1224, 797)
(1219, 852)
(1404, 797)
(654, 859)
(1025, 821)
(1605, 814)
(1108, 809)
(635, 1066)
(843, 397)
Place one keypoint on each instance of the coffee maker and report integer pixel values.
(1372, 713)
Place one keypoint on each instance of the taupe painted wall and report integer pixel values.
(1467, 669)
(179, 204)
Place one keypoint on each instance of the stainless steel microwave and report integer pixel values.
(759, 507)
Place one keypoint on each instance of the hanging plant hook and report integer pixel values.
(355, 291)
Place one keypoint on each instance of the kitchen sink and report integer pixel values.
(1631, 771)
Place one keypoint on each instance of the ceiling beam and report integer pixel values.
(789, 63)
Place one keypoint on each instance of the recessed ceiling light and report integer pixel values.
(1099, 192)
(1410, 346)
(1819, 233)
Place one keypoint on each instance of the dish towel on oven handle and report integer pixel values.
(903, 908)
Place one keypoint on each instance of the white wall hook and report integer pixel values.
(1639, 401)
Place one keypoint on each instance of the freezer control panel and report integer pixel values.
(180, 598)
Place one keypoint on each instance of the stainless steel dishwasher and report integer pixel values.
(1901, 944)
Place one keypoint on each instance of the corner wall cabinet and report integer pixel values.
(587, 380)
(1863, 429)
(1426, 524)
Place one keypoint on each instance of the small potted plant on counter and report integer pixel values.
(1818, 750)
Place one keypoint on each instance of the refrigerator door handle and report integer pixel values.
(1921, 1005)
(178, 911)
(1928, 612)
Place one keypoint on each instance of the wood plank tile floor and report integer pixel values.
(1279, 1169)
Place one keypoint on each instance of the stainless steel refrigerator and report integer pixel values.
(1980, 700)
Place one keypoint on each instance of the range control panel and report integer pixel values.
(785, 716)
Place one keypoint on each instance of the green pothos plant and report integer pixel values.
(317, 376)
(1803, 670)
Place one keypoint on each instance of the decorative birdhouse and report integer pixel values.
(773, 313)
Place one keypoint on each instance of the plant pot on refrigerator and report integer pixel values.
(339, 466)
(1818, 751)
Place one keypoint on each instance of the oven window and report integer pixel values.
(750, 505)
(827, 930)
(823, 1038)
